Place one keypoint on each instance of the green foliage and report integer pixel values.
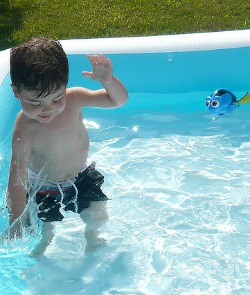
(66, 19)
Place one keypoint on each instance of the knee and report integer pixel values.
(103, 216)
(96, 213)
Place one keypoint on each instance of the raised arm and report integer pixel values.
(113, 94)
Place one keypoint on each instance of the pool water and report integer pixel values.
(179, 184)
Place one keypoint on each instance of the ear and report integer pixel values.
(15, 91)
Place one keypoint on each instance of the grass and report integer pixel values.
(66, 19)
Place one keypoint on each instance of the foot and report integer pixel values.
(93, 241)
(94, 245)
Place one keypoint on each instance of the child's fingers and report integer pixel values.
(98, 59)
(94, 59)
(87, 74)
(102, 68)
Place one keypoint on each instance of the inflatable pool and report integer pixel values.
(179, 181)
(162, 64)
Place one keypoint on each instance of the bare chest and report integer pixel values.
(61, 146)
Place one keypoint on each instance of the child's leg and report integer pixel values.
(47, 237)
(94, 217)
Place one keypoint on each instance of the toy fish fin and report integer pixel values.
(245, 98)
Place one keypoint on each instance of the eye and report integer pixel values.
(35, 104)
(215, 103)
(208, 103)
(57, 100)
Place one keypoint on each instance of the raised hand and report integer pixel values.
(102, 69)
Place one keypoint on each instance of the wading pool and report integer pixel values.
(178, 180)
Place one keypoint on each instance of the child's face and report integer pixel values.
(43, 108)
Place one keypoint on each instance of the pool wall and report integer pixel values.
(163, 64)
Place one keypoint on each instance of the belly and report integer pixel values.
(60, 163)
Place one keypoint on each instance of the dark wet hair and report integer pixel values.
(39, 64)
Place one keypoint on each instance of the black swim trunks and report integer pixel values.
(87, 184)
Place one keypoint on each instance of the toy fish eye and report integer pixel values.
(208, 103)
(215, 103)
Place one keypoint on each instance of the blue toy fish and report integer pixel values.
(223, 101)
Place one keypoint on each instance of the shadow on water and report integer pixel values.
(10, 20)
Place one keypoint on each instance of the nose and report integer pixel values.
(47, 107)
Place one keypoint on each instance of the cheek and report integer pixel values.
(61, 106)
(27, 108)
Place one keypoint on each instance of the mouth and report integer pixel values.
(46, 118)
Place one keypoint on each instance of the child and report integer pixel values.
(50, 143)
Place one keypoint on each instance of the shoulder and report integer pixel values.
(77, 93)
(22, 134)
(23, 125)
(75, 97)
(81, 96)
